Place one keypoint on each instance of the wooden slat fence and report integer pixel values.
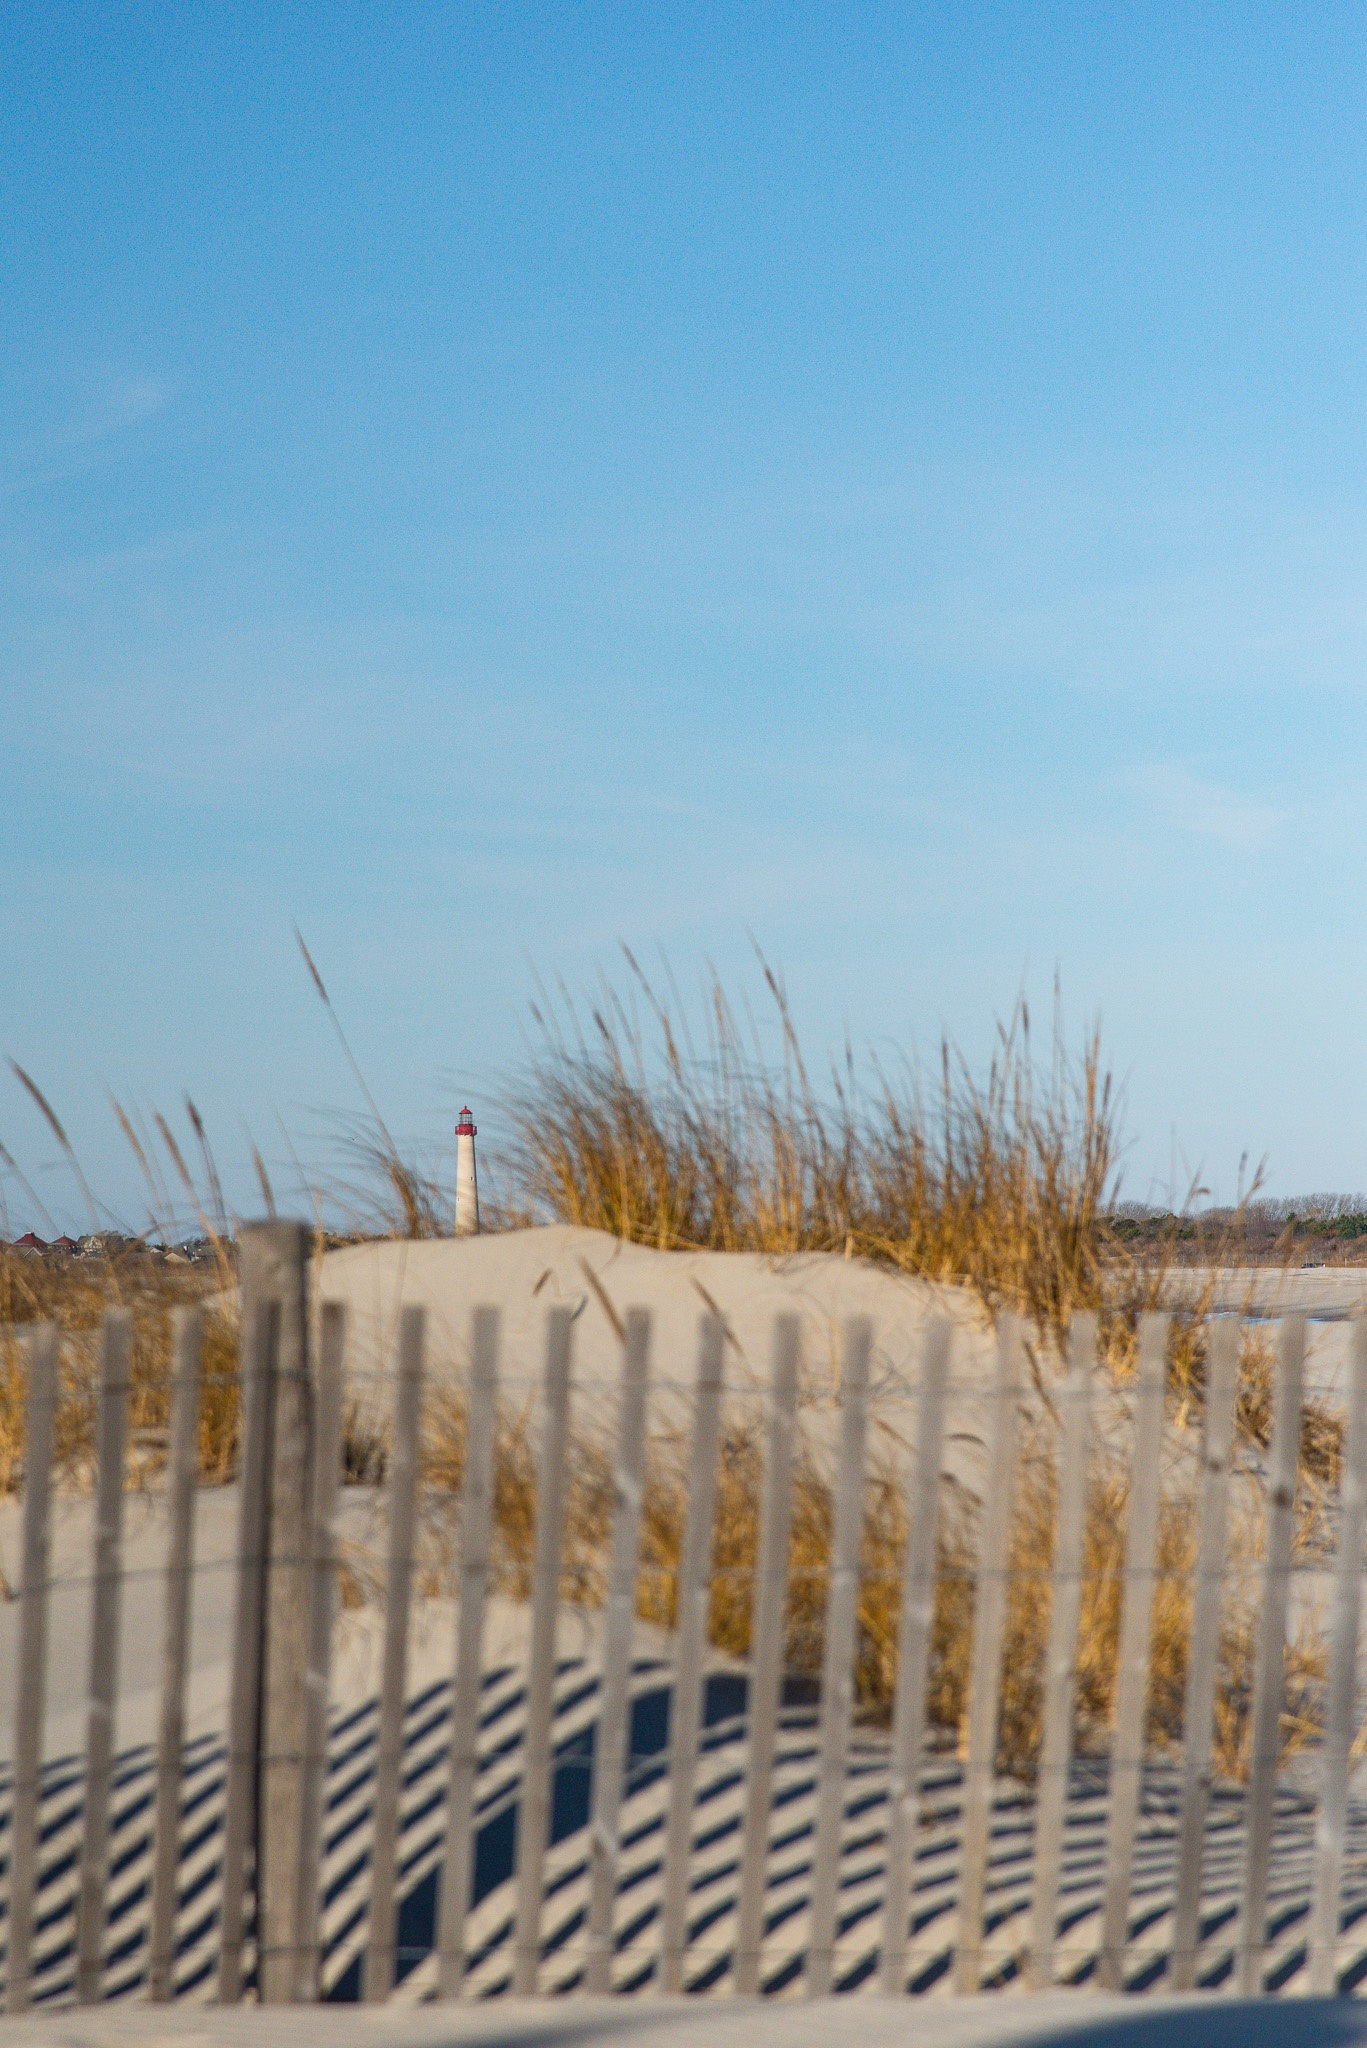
(776, 1826)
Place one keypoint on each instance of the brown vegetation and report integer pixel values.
(740, 1474)
(74, 1294)
(1006, 1185)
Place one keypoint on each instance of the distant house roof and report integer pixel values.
(64, 1244)
(29, 1243)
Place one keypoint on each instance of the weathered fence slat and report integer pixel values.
(261, 1332)
(1340, 1716)
(913, 1653)
(989, 1624)
(534, 1813)
(768, 1615)
(686, 1706)
(403, 1513)
(327, 1473)
(1269, 1689)
(1056, 1748)
(187, 1353)
(1222, 1378)
(32, 1673)
(610, 1760)
(116, 1358)
(277, 1254)
(476, 1527)
(837, 1662)
(1132, 1663)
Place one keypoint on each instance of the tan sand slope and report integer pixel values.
(526, 1271)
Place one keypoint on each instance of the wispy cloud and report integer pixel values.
(1193, 803)
(125, 403)
(93, 433)
(78, 577)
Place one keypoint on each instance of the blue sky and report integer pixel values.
(492, 482)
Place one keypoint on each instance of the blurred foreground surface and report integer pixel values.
(1085, 2020)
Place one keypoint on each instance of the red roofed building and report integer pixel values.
(29, 1243)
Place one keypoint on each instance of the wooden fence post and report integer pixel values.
(837, 1662)
(1060, 1669)
(380, 1958)
(1132, 1662)
(1222, 1379)
(686, 1706)
(32, 1673)
(327, 1474)
(1270, 1684)
(611, 1759)
(116, 1361)
(260, 1321)
(282, 1250)
(913, 1653)
(476, 1527)
(989, 1626)
(534, 1813)
(187, 1344)
(769, 1613)
(268, 1717)
(1340, 1718)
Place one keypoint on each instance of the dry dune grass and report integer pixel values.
(1005, 1185)
(739, 1487)
(74, 1294)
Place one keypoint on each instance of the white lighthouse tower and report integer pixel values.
(467, 1182)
